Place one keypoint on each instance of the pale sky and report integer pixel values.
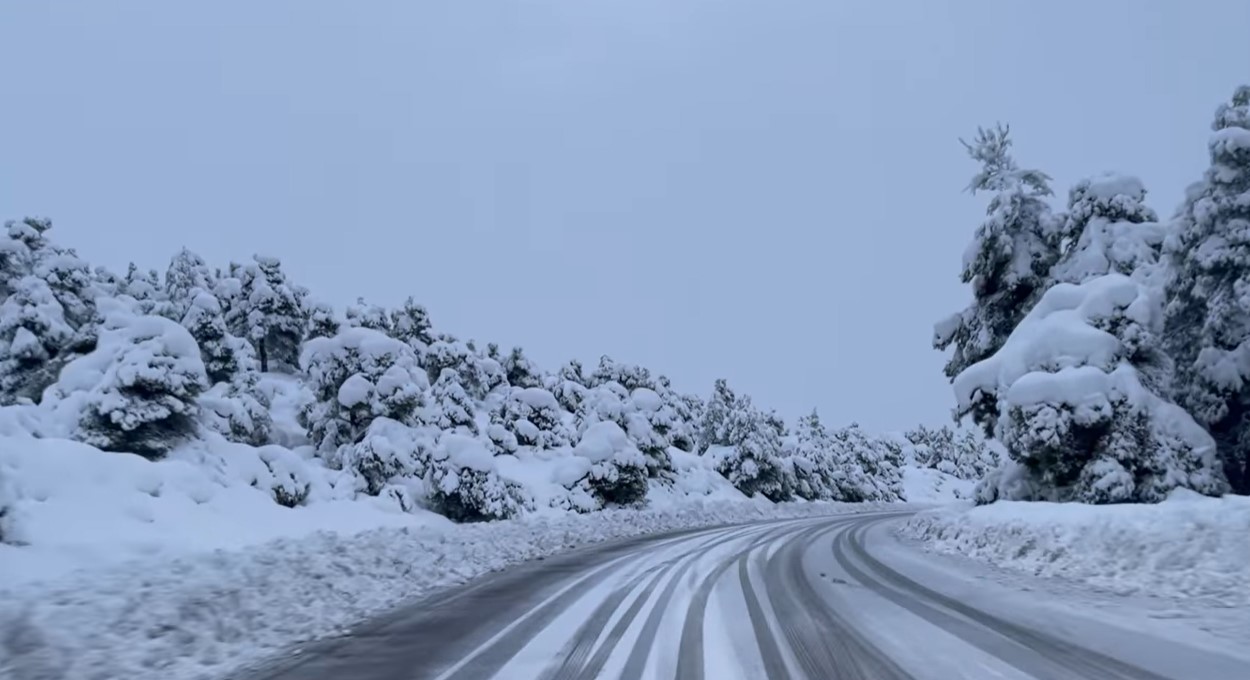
(770, 192)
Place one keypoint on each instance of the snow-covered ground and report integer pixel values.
(1187, 547)
(204, 613)
(927, 485)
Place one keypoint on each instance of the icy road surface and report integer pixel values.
(810, 598)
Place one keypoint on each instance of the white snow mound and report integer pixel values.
(1188, 546)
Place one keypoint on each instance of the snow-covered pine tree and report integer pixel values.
(649, 423)
(185, 277)
(222, 353)
(146, 290)
(533, 416)
(520, 370)
(268, 312)
(322, 321)
(33, 340)
(1108, 228)
(451, 407)
(479, 374)
(238, 409)
(753, 465)
(71, 281)
(355, 377)
(815, 478)
(629, 376)
(23, 240)
(716, 428)
(618, 471)
(569, 386)
(1207, 322)
(142, 382)
(411, 324)
(1078, 415)
(873, 466)
(466, 485)
(681, 414)
(1007, 263)
(363, 314)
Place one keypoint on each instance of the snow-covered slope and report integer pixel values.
(1185, 547)
(927, 485)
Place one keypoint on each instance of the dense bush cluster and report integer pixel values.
(144, 362)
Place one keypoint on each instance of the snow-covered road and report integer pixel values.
(810, 598)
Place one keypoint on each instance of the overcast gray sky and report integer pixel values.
(769, 192)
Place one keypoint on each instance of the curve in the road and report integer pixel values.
(753, 601)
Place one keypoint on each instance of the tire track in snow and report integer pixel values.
(690, 662)
(1038, 654)
(574, 659)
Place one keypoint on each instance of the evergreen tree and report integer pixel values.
(33, 340)
(629, 376)
(1008, 261)
(520, 371)
(1108, 228)
(452, 407)
(144, 400)
(366, 315)
(533, 416)
(356, 377)
(268, 312)
(223, 354)
(322, 321)
(569, 386)
(718, 422)
(19, 251)
(411, 324)
(1207, 322)
(186, 276)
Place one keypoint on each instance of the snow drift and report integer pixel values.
(1188, 546)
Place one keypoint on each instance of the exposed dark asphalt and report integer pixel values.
(775, 600)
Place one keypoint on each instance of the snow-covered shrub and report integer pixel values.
(1073, 409)
(872, 465)
(479, 375)
(629, 376)
(34, 335)
(140, 385)
(648, 422)
(963, 455)
(355, 377)
(451, 407)
(520, 371)
(363, 314)
(683, 413)
(322, 320)
(465, 485)
(533, 416)
(238, 410)
(411, 324)
(389, 450)
(290, 483)
(569, 386)
(618, 473)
